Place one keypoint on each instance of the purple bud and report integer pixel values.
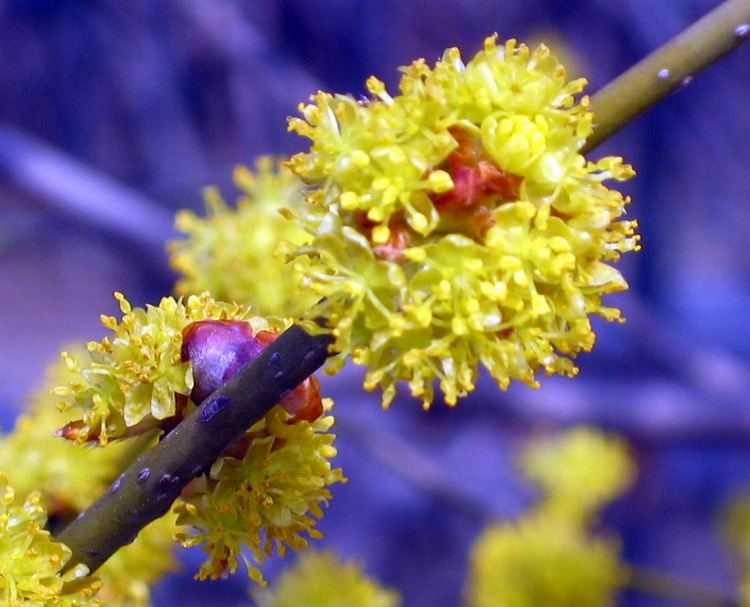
(217, 349)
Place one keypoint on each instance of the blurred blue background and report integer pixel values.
(114, 114)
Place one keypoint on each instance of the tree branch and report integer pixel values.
(668, 69)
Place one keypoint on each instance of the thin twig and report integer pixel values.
(418, 469)
(668, 69)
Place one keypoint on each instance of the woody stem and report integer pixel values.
(668, 69)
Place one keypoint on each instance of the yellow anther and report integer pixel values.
(415, 254)
(349, 201)
(381, 234)
(360, 159)
(440, 181)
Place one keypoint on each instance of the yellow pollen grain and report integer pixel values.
(443, 288)
(375, 214)
(520, 278)
(470, 306)
(424, 316)
(349, 201)
(440, 181)
(508, 262)
(558, 244)
(458, 326)
(360, 159)
(473, 265)
(381, 234)
(419, 221)
(415, 254)
(353, 288)
(397, 155)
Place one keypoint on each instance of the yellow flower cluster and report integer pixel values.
(130, 383)
(237, 253)
(323, 580)
(549, 556)
(579, 471)
(457, 225)
(31, 561)
(735, 528)
(540, 561)
(264, 498)
(69, 477)
(267, 486)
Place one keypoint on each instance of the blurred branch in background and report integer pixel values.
(693, 392)
(76, 192)
(416, 467)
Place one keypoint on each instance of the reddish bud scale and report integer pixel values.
(400, 237)
(71, 431)
(473, 184)
(479, 184)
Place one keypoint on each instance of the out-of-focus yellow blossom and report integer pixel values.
(579, 471)
(735, 528)
(265, 498)
(550, 557)
(31, 561)
(543, 560)
(69, 477)
(320, 579)
(132, 378)
(456, 224)
(237, 253)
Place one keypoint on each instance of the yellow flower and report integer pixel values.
(262, 496)
(69, 477)
(579, 471)
(320, 579)
(457, 225)
(549, 556)
(735, 523)
(133, 379)
(266, 488)
(31, 561)
(735, 529)
(237, 253)
(543, 561)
